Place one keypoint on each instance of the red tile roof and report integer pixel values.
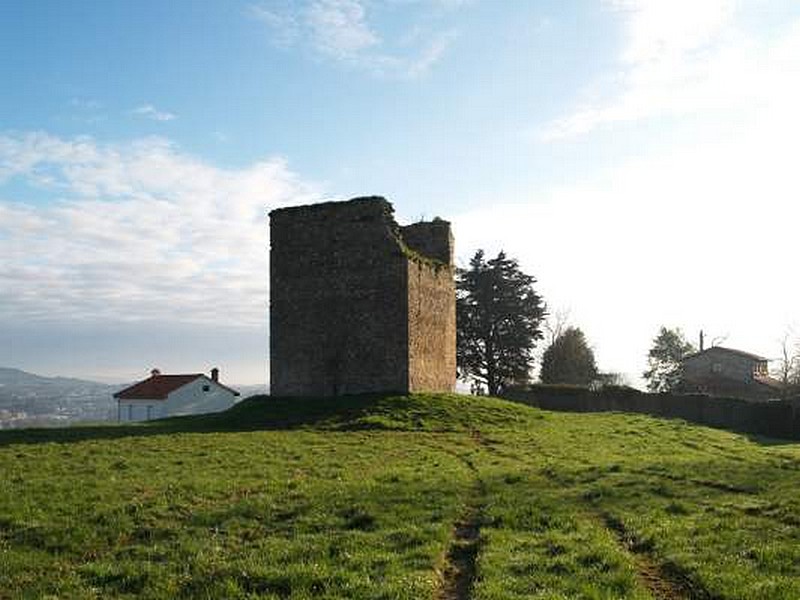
(158, 387)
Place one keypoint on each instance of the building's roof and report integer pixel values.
(158, 387)
(741, 353)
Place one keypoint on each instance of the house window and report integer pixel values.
(716, 368)
(206, 388)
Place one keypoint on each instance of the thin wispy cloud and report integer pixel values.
(281, 22)
(343, 31)
(86, 103)
(148, 111)
(140, 231)
(339, 28)
(430, 54)
(86, 110)
(677, 58)
(698, 233)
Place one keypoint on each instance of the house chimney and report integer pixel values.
(215, 374)
(155, 372)
(701, 340)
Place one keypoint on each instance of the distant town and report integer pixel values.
(30, 400)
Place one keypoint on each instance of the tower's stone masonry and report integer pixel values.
(359, 304)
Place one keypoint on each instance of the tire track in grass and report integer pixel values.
(665, 582)
(458, 575)
(459, 572)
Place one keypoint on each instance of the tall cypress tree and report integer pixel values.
(498, 321)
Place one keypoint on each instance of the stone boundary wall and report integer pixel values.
(774, 418)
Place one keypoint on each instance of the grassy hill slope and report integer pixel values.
(389, 497)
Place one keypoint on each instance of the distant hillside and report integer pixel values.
(246, 391)
(27, 399)
(30, 400)
(19, 378)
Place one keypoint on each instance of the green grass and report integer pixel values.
(357, 498)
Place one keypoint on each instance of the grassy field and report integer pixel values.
(392, 497)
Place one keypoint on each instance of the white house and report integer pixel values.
(161, 396)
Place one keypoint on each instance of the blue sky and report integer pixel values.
(635, 155)
(448, 85)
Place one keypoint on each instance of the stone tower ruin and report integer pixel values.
(359, 304)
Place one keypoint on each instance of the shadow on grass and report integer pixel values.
(763, 440)
(257, 413)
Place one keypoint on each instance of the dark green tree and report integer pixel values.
(665, 360)
(569, 359)
(498, 321)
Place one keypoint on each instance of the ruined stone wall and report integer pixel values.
(338, 300)
(431, 239)
(431, 327)
(355, 307)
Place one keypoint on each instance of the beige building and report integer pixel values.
(719, 371)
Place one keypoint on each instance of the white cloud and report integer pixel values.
(698, 235)
(283, 24)
(140, 231)
(430, 54)
(342, 30)
(697, 232)
(149, 111)
(678, 58)
(339, 27)
(657, 30)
